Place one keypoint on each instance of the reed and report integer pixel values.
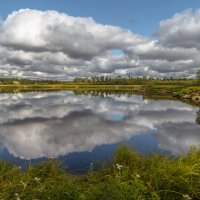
(128, 176)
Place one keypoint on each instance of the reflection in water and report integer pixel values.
(35, 125)
(198, 117)
(104, 93)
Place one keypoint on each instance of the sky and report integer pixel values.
(63, 39)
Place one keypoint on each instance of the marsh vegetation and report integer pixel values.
(128, 176)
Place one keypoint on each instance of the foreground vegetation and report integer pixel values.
(128, 176)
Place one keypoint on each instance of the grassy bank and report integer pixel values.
(147, 88)
(153, 89)
(128, 176)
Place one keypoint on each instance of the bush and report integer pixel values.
(198, 76)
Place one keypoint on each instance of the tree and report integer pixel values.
(198, 76)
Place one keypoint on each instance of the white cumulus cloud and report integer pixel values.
(49, 44)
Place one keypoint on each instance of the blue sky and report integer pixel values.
(140, 16)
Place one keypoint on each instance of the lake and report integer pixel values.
(83, 129)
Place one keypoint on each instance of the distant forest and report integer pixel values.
(17, 81)
(120, 80)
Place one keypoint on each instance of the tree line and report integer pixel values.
(107, 80)
(16, 81)
(128, 80)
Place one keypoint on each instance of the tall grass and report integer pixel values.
(128, 176)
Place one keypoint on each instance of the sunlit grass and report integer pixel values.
(128, 176)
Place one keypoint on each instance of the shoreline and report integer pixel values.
(189, 94)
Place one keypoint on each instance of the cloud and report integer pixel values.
(182, 30)
(49, 44)
(173, 138)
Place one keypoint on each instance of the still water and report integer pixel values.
(79, 129)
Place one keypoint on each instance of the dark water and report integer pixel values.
(80, 129)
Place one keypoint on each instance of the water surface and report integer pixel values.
(81, 129)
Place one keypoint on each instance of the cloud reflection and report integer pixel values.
(35, 125)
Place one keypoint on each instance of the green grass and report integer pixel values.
(128, 176)
(150, 89)
(188, 90)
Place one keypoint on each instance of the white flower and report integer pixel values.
(24, 184)
(17, 196)
(186, 196)
(119, 167)
(137, 175)
(37, 179)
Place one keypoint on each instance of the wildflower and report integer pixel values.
(24, 184)
(137, 175)
(17, 196)
(187, 197)
(37, 179)
(119, 167)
